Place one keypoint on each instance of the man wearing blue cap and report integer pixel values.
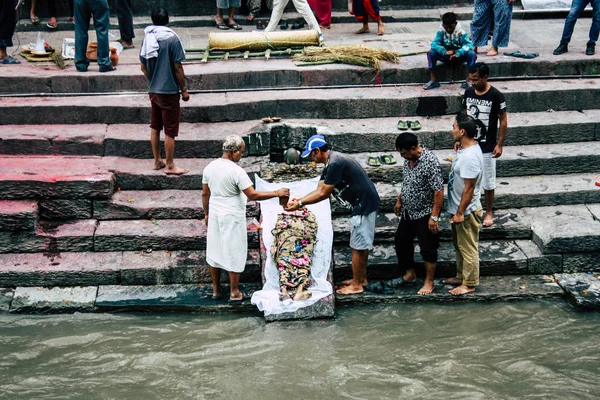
(345, 174)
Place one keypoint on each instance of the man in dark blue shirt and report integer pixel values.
(346, 175)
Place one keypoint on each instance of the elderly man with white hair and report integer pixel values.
(225, 189)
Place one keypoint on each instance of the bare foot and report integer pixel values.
(350, 290)
(349, 282)
(462, 289)
(303, 295)
(452, 281)
(364, 29)
(176, 171)
(250, 18)
(325, 26)
(159, 165)
(380, 28)
(426, 289)
(488, 220)
(493, 51)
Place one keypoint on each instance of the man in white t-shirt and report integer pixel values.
(225, 189)
(464, 192)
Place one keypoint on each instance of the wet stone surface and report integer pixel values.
(55, 300)
(66, 209)
(6, 296)
(582, 290)
(171, 298)
(491, 288)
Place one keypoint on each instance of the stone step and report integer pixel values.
(509, 224)
(491, 288)
(169, 234)
(520, 192)
(197, 298)
(114, 268)
(204, 140)
(54, 177)
(249, 75)
(121, 235)
(18, 215)
(127, 140)
(550, 159)
(497, 257)
(51, 238)
(377, 134)
(159, 204)
(370, 102)
(568, 229)
(84, 178)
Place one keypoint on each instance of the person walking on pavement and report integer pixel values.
(464, 192)
(161, 56)
(98, 10)
(577, 7)
(225, 190)
(418, 207)
(488, 105)
(345, 174)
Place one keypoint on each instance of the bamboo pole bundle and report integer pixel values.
(262, 41)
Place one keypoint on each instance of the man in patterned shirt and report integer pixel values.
(418, 207)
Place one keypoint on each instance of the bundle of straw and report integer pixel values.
(354, 55)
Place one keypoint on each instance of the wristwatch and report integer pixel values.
(436, 219)
(300, 205)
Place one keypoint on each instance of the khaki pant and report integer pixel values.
(465, 237)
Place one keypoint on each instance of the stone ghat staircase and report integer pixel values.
(82, 211)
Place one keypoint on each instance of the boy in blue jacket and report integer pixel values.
(450, 45)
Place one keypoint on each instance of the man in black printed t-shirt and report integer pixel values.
(488, 105)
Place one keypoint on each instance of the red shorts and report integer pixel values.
(165, 113)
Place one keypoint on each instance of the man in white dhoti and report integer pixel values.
(303, 9)
(225, 189)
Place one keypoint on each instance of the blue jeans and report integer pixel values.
(98, 9)
(576, 9)
(433, 57)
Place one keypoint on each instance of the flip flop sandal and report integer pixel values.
(126, 46)
(414, 125)
(529, 56)
(10, 60)
(432, 85)
(235, 26)
(387, 159)
(220, 295)
(283, 26)
(276, 119)
(267, 120)
(222, 26)
(297, 25)
(245, 297)
(513, 53)
(403, 125)
(399, 282)
(373, 161)
(35, 20)
(378, 287)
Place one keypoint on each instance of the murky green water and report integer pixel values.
(541, 350)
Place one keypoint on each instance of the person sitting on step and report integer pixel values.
(451, 44)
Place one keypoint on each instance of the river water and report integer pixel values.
(535, 350)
